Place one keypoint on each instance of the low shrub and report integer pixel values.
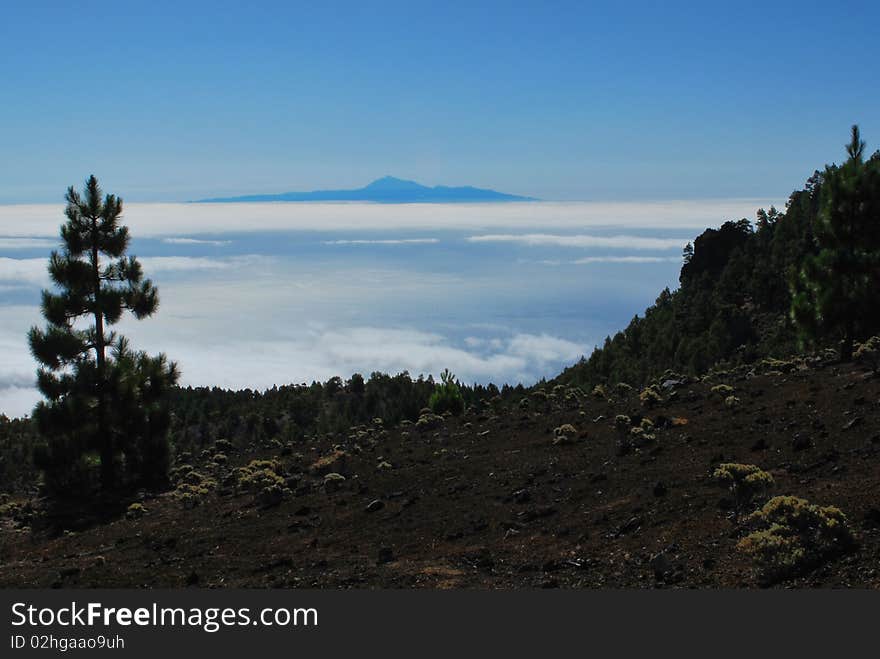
(868, 353)
(650, 396)
(333, 481)
(429, 421)
(771, 365)
(564, 434)
(263, 478)
(722, 390)
(793, 536)
(135, 511)
(639, 437)
(745, 482)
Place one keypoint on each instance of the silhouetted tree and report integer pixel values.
(102, 399)
(835, 293)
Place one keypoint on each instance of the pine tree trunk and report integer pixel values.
(104, 439)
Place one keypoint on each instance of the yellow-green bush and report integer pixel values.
(771, 365)
(429, 421)
(259, 474)
(868, 353)
(722, 390)
(650, 396)
(792, 536)
(564, 434)
(135, 511)
(264, 479)
(746, 482)
(640, 437)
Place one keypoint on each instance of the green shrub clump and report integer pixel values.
(650, 396)
(793, 536)
(429, 421)
(564, 434)
(746, 482)
(192, 486)
(447, 396)
(640, 437)
(722, 390)
(264, 479)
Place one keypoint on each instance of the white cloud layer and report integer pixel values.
(27, 271)
(196, 241)
(34, 271)
(255, 320)
(613, 259)
(393, 241)
(27, 243)
(582, 241)
(161, 220)
(322, 352)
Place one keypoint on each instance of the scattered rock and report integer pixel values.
(760, 445)
(632, 524)
(872, 517)
(522, 496)
(385, 555)
(67, 572)
(661, 565)
(375, 505)
(801, 442)
(852, 423)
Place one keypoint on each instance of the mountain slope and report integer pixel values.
(387, 190)
(489, 501)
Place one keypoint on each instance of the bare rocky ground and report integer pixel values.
(490, 501)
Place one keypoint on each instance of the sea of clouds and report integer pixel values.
(254, 295)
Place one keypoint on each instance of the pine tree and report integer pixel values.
(102, 399)
(834, 294)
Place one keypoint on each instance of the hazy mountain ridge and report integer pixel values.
(387, 190)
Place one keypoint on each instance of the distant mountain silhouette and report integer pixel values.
(386, 190)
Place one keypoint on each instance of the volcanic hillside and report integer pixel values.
(550, 489)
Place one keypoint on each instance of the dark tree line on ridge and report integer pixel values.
(795, 280)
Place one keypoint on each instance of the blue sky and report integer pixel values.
(633, 101)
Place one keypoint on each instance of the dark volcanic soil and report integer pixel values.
(488, 501)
